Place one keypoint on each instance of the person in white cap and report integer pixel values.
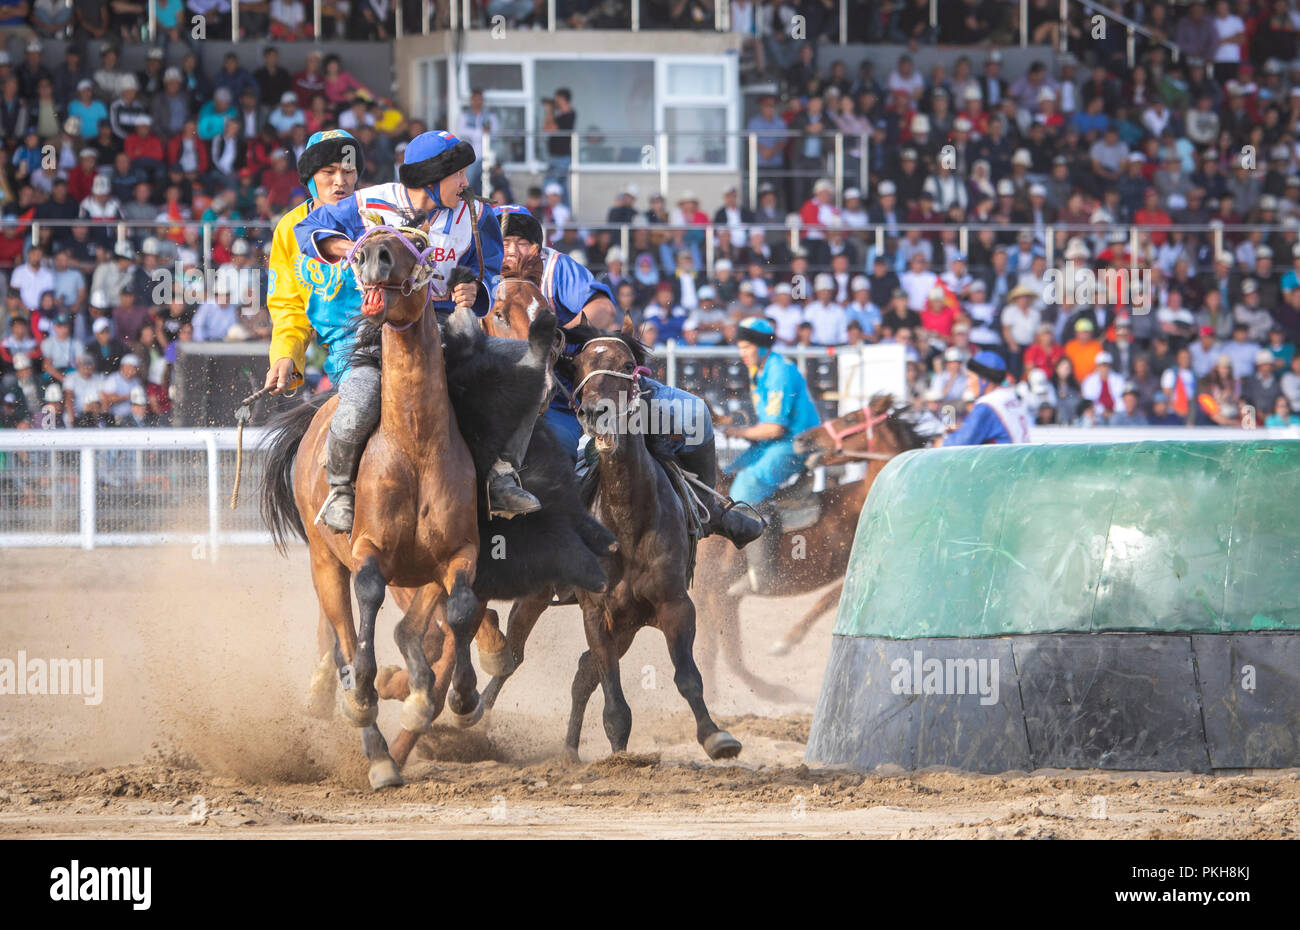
(854, 213)
(785, 314)
(83, 386)
(1104, 386)
(101, 204)
(884, 212)
(817, 211)
(554, 212)
(828, 319)
(116, 388)
(707, 320)
(138, 415)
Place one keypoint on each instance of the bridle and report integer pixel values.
(867, 426)
(635, 377)
(423, 270)
(421, 273)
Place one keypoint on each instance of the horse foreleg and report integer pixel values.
(463, 613)
(417, 709)
(370, 585)
(524, 614)
(676, 620)
(799, 630)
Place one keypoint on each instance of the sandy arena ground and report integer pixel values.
(200, 734)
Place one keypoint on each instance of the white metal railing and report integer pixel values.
(127, 487)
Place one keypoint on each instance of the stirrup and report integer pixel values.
(335, 491)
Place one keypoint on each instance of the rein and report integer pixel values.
(867, 426)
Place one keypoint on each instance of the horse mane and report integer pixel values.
(528, 269)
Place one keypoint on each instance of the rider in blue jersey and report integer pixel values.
(687, 427)
(784, 409)
(999, 414)
(432, 176)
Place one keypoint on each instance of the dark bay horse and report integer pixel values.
(874, 435)
(635, 499)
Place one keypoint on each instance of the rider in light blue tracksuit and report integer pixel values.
(784, 409)
(572, 290)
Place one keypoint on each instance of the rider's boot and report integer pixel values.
(342, 456)
(732, 524)
(506, 496)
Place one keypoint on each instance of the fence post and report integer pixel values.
(863, 167)
(466, 15)
(963, 244)
(1049, 246)
(708, 248)
(1024, 23)
(670, 363)
(839, 170)
(550, 15)
(1064, 29)
(316, 25)
(625, 246)
(752, 145)
(426, 16)
(489, 162)
(1130, 46)
(214, 492)
(663, 166)
(453, 14)
(844, 22)
(397, 18)
(234, 20)
(207, 245)
(36, 233)
(87, 496)
(153, 20)
(636, 15)
(575, 143)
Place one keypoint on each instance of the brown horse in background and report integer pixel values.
(820, 554)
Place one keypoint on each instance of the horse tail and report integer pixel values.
(279, 509)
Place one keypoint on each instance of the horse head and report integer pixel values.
(519, 298)
(393, 276)
(862, 434)
(607, 372)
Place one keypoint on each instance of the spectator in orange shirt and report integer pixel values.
(1044, 353)
(1083, 349)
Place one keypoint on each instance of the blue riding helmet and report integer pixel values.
(988, 366)
(758, 330)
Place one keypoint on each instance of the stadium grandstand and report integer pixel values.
(1106, 197)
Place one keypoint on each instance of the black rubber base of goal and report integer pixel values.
(1129, 701)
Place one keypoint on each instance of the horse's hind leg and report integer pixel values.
(798, 631)
(324, 680)
(331, 579)
(524, 614)
(676, 620)
(417, 709)
(370, 585)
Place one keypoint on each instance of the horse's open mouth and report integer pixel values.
(605, 442)
(374, 300)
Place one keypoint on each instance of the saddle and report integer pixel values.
(795, 505)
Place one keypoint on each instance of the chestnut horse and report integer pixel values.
(874, 434)
(416, 522)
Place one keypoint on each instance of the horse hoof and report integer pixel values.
(384, 774)
(779, 648)
(417, 712)
(497, 664)
(571, 752)
(722, 745)
(358, 714)
(465, 721)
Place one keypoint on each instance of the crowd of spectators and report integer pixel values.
(160, 147)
